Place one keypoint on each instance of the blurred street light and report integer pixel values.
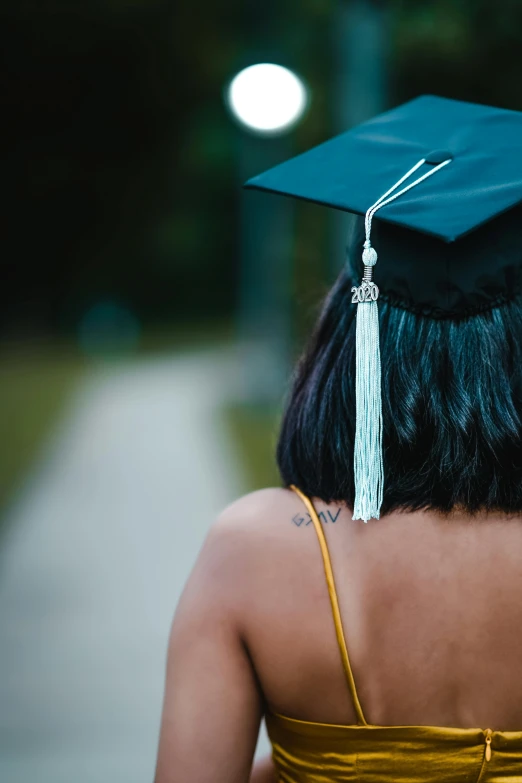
(267, 98)
(266, 101)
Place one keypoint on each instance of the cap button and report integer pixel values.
(438, 156)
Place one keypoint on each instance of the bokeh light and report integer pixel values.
(108, 328)
(267, 98)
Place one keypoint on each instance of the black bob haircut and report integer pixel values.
(452, 409)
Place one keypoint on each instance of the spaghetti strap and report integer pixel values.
(334, 603)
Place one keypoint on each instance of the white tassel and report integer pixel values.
(368, 464)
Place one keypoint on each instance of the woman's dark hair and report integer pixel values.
(452, 409)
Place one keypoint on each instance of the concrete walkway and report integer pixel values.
(99, 546)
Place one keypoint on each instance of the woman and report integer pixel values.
(403, 664)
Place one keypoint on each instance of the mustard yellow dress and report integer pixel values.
(306, 752)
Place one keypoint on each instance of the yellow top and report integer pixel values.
(306, 752)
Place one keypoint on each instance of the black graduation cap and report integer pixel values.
(445, 247)
(443, 179)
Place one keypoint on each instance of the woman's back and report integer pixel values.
(430, 606)
(430, 611)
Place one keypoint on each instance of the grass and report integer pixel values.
(35, 384)
(254, 430)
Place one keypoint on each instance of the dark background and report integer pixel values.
(119, 170)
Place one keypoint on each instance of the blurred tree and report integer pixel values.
(118, 169)
(465, 49)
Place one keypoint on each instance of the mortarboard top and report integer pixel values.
(351, 171)
(483, 181)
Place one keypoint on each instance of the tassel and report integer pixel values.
(368, 463)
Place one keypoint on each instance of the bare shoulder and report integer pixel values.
(276, 510)
(274, 514)
(263, 509)
(254, 533)
(242, 550)
(257, 521)
(259, 543)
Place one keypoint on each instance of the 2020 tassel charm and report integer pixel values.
(368, 463)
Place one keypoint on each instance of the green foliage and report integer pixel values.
(122, 160)
(34, 388)
(466, 49)
(254, 431)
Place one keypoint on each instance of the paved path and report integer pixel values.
(98, 548)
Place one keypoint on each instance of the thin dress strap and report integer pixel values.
(334, 602)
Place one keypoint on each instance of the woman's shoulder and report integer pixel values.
(258, 508)
(249, 551)
(258, 527)
(276, 513)
(257, 521)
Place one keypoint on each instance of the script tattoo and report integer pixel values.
(305, 518)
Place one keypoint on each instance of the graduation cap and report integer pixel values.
(443, 179)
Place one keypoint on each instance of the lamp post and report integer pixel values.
(266, 101)
(360, 38)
